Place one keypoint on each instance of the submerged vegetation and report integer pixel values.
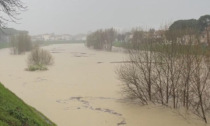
(172, 70)
(39, 59)
(14, 112)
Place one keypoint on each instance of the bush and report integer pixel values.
(38, 59)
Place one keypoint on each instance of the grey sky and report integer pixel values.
(82, 16)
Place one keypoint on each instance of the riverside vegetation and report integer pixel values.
(170, 67)
(168, 77)
(39, 59)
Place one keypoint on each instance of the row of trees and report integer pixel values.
(101, 39)
(172, 74)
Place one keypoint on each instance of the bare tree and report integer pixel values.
(140, 76)
(11, 8)
(200, 88)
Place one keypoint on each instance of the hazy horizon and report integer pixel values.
(82, 16)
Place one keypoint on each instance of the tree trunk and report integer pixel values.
(202, 108)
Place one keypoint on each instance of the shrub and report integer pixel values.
(38, 59)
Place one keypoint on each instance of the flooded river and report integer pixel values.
(82, 89)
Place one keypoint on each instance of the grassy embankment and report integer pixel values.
(14, 112)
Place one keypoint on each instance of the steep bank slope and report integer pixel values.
(14, 112)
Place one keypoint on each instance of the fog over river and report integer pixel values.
(82, 89)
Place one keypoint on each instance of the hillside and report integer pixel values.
(14, 112)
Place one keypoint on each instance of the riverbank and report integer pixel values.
(14, 112)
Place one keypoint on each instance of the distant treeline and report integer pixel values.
(180, 30)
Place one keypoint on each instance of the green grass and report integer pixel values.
(37, 67)
(14, 112)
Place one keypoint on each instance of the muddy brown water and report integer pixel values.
(82, 89)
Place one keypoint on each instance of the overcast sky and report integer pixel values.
(82, 16)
